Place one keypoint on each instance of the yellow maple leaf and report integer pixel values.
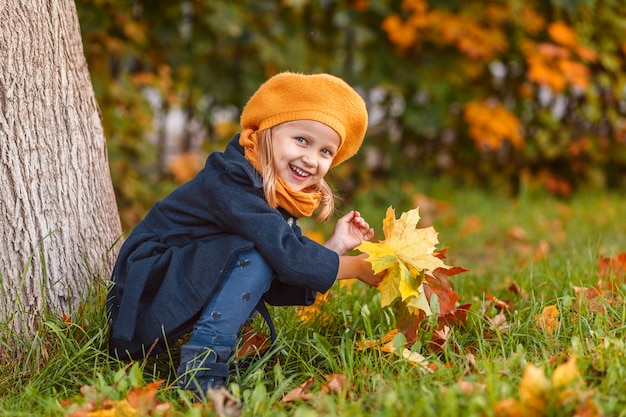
(405, 253)
(534, 389)
(538, 395)
(566, 373)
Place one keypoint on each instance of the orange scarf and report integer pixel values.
(298, 203)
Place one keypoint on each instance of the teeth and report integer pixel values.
(299, 171)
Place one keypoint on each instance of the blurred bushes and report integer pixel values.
(502, 93)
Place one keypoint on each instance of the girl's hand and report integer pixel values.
(367, 275)
(358, 267)
(350, 231)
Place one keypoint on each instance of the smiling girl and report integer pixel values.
(225, 243)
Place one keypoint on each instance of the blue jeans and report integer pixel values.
(245, 282)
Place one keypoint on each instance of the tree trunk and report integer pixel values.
(58, 215)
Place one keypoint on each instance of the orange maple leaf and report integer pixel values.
(334, 384)
(139, 401)
(252, 342)
(613, 268)
(548, 320)
(144, 397)
(436, 282)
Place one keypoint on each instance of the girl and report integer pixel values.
(227, 241)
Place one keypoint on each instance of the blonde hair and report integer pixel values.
(266, 162)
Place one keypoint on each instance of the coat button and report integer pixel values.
(290, 221)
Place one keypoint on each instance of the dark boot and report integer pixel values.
(203, 368)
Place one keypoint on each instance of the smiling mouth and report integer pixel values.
(299, 172)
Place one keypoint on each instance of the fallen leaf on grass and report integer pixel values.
(386, 344)
(589, 297)
(612, 273)
(413, 358)
(302, 392)
(418, 360)
(467, 387)
(518, 233)
(613, 268)
(439, 340)
(139, 401)
(499, 323)
(338, 383)
(548, 320)
(497, 303)
(334, 384)
(540, 396)
(471, 364)
(534, 390)
(566, 373)
(316, 311)
(369, 344)
(457, 318)
(470, 226)
(252, 342)
(541, 251)
(517, 290)
(224, 404)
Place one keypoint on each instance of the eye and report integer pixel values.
(300, 139)
(328, 153)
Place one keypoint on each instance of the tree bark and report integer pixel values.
(58, 215)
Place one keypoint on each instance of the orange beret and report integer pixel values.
(325, 98)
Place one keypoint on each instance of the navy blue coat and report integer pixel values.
(171, 263)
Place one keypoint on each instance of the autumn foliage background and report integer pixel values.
(505, 94)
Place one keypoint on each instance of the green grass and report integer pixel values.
(558, 250)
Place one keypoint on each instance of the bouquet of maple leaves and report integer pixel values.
(416, 275)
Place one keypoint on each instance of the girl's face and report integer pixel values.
(303, 151)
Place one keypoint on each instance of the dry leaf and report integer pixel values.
(613, 268)
(548, 320)
(335, 384)
(589, 297)
(252, 342)
(139, 401)
(412, 357)
(224, 404)
(533, 390)
(509, 407)
(518, 233)
(499, 323)
(369, 344)
(539, 395)
(302, 392)
(566, 373)
(439, 339)
(467, 387)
